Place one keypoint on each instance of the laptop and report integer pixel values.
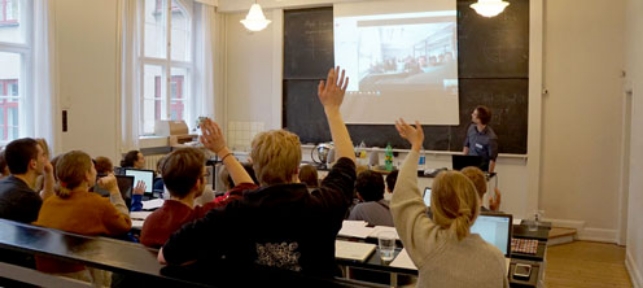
(126, 185)
(496, 229)
(147, 176)
(461, 161)
(427, 196)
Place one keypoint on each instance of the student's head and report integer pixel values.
(4, 169)
(103, 165)
(45, 147)
(159, 164)
(391, 178)
(74, 169)
(184, 172)
(478, 178)
(370, 186)
(308, 175)
(24, 155)
(133, 159)
(481, 115)
(226, 178)
(276, 155)
(454, 202)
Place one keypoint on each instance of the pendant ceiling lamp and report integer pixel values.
(255, 20)
(489, 8)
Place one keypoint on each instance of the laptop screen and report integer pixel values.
(427, 196)
(147, 176)
(495, 229)
(461, 161)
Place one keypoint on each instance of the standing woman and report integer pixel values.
(73, 209)
(443, 249)
(481, 140)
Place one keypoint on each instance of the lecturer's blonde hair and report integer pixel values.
(276, 155)
(454, 202)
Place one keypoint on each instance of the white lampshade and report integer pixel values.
(489, 8)
(255, 20)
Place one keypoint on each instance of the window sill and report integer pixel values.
(153, 141)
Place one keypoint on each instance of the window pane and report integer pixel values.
(179, 90)
(181, 32)
(12, 28)
(155, 28)
(153, 91)
(10, 72)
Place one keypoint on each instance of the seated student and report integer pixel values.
(158, 186)
(4, 169)
(133, 159)
(105, 167)
(308, 175)
(235, 192)
(280, 225)
(184, 175)
(480, 182)
(390, 184)
(373, 209)
(73, 209)
(40, 180)
(444, 250)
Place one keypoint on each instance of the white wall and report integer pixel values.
(582, 114)
(634, 60)
(86, 49)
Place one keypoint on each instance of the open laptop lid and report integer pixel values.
(427, 196)
(126, 186)
(495, 229)
(460, 161)
(146, 176)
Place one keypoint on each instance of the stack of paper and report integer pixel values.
(152, 204)
(355, 229)
(353, 250)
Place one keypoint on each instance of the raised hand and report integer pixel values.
(494, 202)
(211, 136)
(140, 188)
(331, 93)
(108, 182)
(415, 135)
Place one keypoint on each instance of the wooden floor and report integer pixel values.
(586, 264)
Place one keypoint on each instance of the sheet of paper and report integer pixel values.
(137, 224)
(139, 215)
(355, 229)
(403, 260)
(517, 221)
(378, 229)
(152, 204)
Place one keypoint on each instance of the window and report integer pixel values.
(9, 10)
(166, 62)
(9, 128)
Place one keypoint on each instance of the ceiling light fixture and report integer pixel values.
(489, 8)
(255, 20)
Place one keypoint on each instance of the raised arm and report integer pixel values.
(416, 230)
(212, 138)
(49, 181)
(331, 94)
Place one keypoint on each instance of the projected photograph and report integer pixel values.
(412, 57)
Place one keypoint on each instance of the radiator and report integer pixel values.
(152, 160)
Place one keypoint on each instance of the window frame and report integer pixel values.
(25, 79)
(166, 64)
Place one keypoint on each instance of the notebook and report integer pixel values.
(496, 229)
(461, 161)
(357, 251)
(427, 196)
(146, 176)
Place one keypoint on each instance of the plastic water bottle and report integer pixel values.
(422, 161)
(361, 154)
(388, 157)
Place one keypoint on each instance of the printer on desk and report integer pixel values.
(177, 131)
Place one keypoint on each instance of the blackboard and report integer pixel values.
(493, 55)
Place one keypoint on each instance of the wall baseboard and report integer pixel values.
(587, 233)
(633, 269)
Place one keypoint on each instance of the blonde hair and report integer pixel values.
(71, 169)
(454, 202)
(276, 155)
(478, 178)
